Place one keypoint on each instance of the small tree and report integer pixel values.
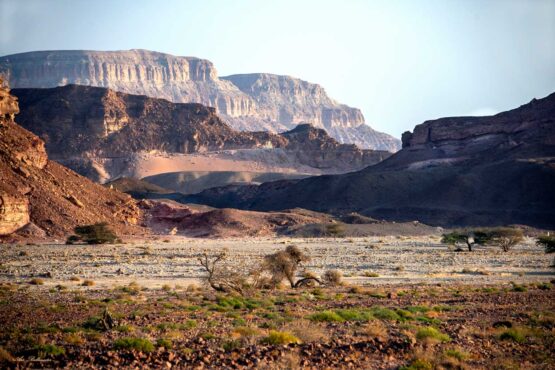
(506, 237)
(468, 237)
(548, 242)
(98, 233)
(284, 265)
(220, 277)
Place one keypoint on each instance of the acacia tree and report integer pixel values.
(504, 237)
(548, 243)
(284, 265)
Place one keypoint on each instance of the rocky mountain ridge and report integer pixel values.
(78, 123)
(250, 102)
(44, 197)
(456, 171)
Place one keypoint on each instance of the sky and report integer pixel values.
(401, 62)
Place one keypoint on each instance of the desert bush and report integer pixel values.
(48, 350)
(36, 281)
(431, 333)
(139, 344)
(326, 316)
(285, 264)
(280, 338)
(98, 233)
(335, 230)
(332, 277)
(548, 242)
(222, 278)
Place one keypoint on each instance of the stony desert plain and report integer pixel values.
(403, 302)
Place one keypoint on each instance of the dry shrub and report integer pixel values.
(5, 356)
(242, 279)
(283, 265)
(88, 283)
(333, 277)
(307, 331)
(377, 329)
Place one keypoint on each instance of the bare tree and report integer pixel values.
(220, 277)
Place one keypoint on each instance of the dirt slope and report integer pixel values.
(58, 199)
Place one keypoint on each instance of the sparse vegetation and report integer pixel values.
(138, 344)
(36, 281)
(505, 238)
(280, 338)
(431, 333)
(98, 233)
(332, 277)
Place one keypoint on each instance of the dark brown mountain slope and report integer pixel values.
(87, 127)
(452, 171)
(54, 198)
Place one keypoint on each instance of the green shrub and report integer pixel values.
(418, 364)
(49, 350)
(383, 313)
(459, 355)
(139, 344)
(354, 315)
(166, 343)
(432, 333)
(280, 337)
(326, 316)
(514, 334)
(548, 242)
(98, 233)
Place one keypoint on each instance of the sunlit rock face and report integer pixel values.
(250, 102)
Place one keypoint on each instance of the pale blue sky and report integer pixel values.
(401, 62)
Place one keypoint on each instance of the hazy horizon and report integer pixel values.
(400, 62)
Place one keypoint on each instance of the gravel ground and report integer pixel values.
(396, 260)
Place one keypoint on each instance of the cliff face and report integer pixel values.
(247, 102)
(178, 79)
(34, 189)
(81, 122)
(451, 172)
(288, 101)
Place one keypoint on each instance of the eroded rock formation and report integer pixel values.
(79, 123)
(495, 170)
(52, 197)
(247, 102)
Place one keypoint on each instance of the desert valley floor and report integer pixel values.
(405, 303)
(174, 260)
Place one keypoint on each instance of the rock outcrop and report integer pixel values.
(90, 128)
(453, 171)
(55, 199)
(284, 102)
(14, 213)
(256, 102)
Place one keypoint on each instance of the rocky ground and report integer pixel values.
(404, 303)
(364, 261)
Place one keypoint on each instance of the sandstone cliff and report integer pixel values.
(55, 199)
(284, 101)
(79, 123)
(453, 171)
(247, 102)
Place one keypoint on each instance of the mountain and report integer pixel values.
(247, 102)
(104, 135)
(42, 196)
(283, 101)
(451, 171)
